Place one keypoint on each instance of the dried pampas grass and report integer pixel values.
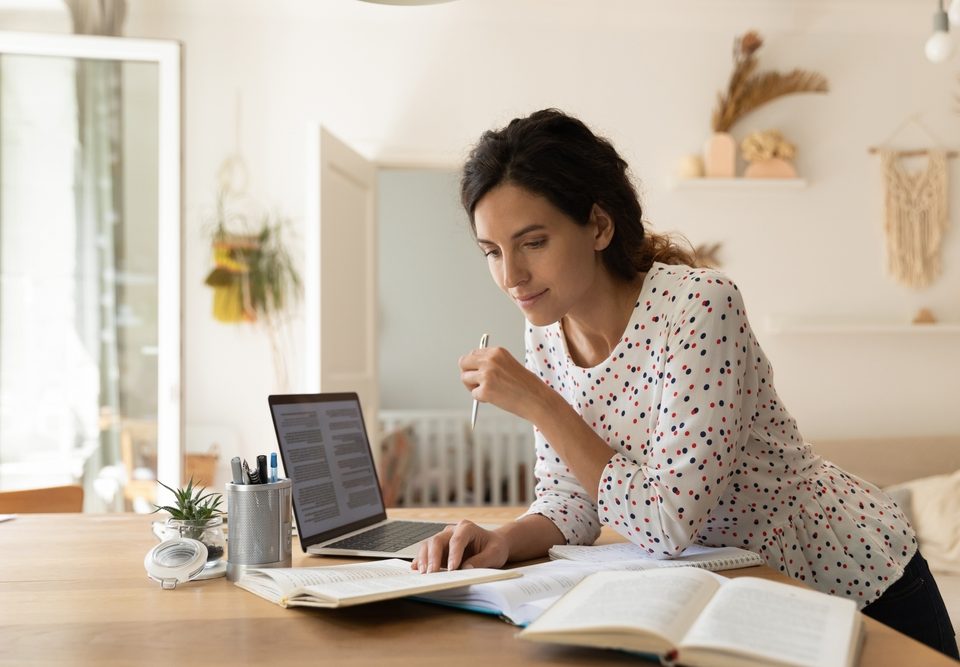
(748, 89)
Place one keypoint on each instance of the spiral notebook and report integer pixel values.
(708, 558)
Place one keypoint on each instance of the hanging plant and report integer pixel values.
(254, 276)
(748, 89)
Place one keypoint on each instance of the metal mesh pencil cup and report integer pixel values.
(259, 520)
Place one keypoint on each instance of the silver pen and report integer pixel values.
(476, 403)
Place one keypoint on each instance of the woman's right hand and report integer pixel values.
(464, 545)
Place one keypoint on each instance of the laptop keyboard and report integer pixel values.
(392, 536)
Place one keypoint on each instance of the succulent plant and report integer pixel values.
(192, 504)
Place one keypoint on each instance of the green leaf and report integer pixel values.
(192, 503)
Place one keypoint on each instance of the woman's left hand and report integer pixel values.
(492, 375)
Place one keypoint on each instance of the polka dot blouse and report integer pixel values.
(705, 452)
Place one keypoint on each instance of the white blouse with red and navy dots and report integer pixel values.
(704, 451)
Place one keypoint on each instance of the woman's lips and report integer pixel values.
(527, 300)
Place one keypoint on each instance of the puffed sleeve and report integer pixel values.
(707, 404)
(559, 496)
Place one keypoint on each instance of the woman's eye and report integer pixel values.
(536, 243)
(491, 253)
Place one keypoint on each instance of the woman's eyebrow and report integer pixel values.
(526, 230)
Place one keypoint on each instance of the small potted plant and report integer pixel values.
(196, 515)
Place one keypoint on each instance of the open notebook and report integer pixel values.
(708, 558)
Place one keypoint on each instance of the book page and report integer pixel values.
(514, 597)
(661, 602)
(279, 582)
(526, 613)
(777, 622)
(518, 600)
(381, 588)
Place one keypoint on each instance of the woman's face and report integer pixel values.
(539, 256)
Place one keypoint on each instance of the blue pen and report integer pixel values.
(273, 467)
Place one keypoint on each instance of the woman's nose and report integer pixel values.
(514, 271)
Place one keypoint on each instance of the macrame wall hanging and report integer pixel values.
(915, 217)
(915, 210)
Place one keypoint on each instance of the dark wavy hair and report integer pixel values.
(556, 156)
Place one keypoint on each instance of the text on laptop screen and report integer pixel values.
(328, 458)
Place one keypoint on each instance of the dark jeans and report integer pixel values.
(912, 605)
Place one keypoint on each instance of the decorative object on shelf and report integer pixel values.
(720, 156)
(747, 90)
(706, 255)
(924, 316)
(690, 166)
(769, 155)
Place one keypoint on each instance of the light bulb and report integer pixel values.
(954, 13)
(939, 47)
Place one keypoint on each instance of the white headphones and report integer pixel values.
(175, 561)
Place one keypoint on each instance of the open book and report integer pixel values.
(697, 618)
(709, 558)
(520, 601)
(355, 583)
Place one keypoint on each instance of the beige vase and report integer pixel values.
(774, 167)
(720, 156)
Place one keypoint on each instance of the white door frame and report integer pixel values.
(166, 54)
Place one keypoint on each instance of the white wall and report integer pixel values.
(426, 249)
(421, 83)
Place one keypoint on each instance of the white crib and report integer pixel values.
(451, 465)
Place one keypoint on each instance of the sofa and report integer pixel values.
(923, 475)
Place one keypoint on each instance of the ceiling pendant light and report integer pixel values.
(954, 13)
(939, 46)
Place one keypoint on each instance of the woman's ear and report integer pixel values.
(603, 227)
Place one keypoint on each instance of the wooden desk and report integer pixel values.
(73, 591)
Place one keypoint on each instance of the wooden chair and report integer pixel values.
(138, 449)
(50, 499)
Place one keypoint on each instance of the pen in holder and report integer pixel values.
(259, 517)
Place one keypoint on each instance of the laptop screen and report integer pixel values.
(326, 455)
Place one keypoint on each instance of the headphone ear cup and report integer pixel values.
(175, 561)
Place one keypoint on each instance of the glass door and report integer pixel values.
(89, 266)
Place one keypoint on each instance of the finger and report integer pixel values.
(470, 379)
(436, 548)
(420, 558)
(463, 535)
(469, 361)
(423, 554)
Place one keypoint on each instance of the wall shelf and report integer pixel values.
(830, 329)
(746, 184)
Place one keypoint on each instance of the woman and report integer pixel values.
(652, 403)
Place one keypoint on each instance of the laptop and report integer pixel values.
(336, 493)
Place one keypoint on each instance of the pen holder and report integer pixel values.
(259, 518)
